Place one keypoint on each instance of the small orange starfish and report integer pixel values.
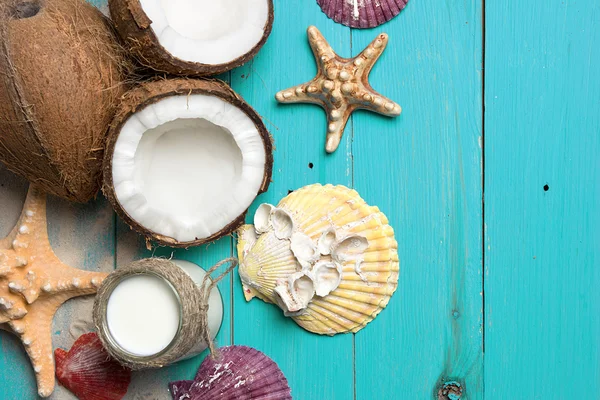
(341, 86)
(34, 283)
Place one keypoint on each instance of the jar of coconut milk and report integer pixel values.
(155, 312)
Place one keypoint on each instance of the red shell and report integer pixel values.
(88, 371)
(240, 373)
(362, 13)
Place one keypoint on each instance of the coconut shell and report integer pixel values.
(134, 27)
(151, 92)
(60, 76)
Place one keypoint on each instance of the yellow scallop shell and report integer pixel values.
(365, 287)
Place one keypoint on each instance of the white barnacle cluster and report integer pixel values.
(319, 262)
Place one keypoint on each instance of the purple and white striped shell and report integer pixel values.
(362, 13)
(238, 373)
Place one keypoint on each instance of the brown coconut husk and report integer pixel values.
(61, 74)
(134, 27)
(151, 92)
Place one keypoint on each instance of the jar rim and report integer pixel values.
(108, 334)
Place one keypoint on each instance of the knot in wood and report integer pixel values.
(450, 391)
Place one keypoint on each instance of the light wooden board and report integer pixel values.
(83, 237)
(535, 311)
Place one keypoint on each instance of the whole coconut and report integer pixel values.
(61, 73)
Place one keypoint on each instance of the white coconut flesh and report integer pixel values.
(187, 166)
(207, 31)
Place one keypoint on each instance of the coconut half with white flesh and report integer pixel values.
(193, 37)
(184, 160)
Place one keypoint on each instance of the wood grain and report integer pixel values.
(542, 201)
(423, 170)
(316, 367)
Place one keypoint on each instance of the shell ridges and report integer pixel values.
(350, 238)
(236, 373)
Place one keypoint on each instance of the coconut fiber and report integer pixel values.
(61, 73)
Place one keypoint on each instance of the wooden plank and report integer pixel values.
(542, 199)
(82, 235)
(316, 367)
(152, 384)
(424, 171)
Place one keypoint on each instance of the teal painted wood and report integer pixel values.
(424, 171)
(542, 247)
(316, 367)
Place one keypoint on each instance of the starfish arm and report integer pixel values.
(370, 100)
(336, 124)
(32, 219)
(16, 311)
(12, 302)
(34, 330)
(59, 278)
(5, 317)
(369, 56)
(305, 93)
(321, 49)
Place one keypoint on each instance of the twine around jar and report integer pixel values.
(193, 324)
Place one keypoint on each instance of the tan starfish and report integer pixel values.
(341, 86)
(34, 283)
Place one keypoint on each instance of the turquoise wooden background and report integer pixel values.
(491, 179)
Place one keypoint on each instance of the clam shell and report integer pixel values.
(362, 13)
(357, 237)
(238, 373)
(267, 262)
(88, 371)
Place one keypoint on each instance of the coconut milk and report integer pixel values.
(144, 312)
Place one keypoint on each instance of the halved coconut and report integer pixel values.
(185, 159)
(193, 37)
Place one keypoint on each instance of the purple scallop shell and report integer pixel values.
(362, 13)
(240, 373)
(179, 389)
